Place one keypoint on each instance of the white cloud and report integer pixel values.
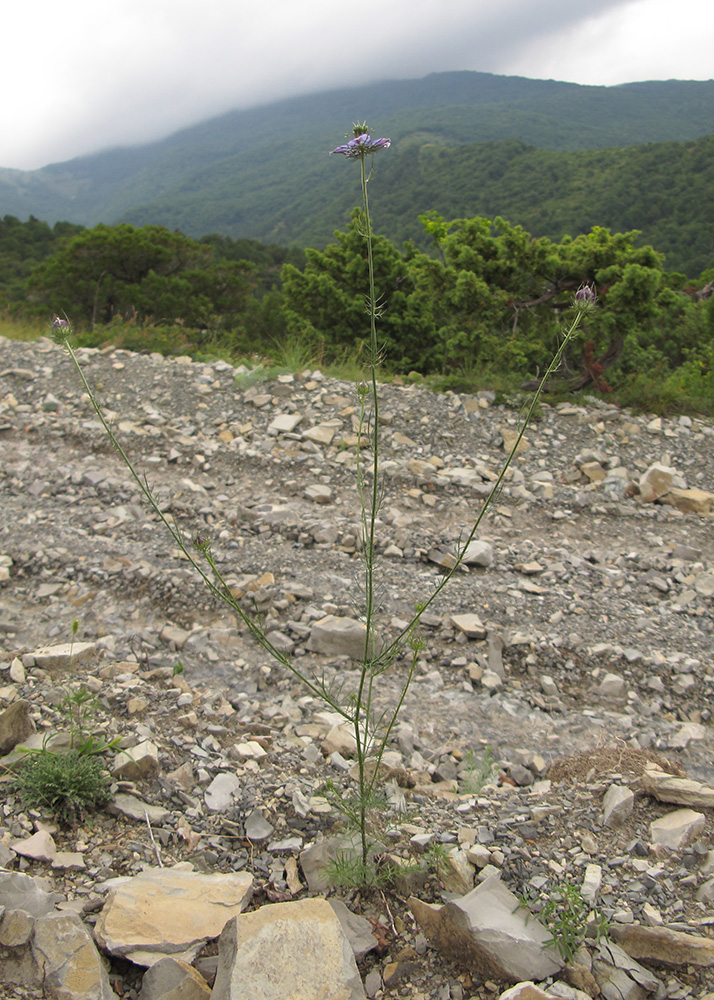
(83, 76)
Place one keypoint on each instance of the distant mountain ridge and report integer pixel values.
(264, 173)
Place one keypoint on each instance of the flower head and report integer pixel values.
(60, 324)
(585, 297)
(361, 144)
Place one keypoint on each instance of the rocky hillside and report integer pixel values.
(576, 645)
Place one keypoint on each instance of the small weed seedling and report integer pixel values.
(476, 774)
(79, 705)
(566, 915)
(70, 783)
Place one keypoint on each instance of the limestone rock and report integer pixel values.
(284, 423)
(316, 857)
(16, 928)
(318, 493)
(656, 481)
(357, 929)
(39, 846)
(620, 977)
(478, 553)
(69, 965)
(137, 763)
(659, 944)
(169, 911)
(617, 805)
(490, 933)
(691, 501)
(171, 979)
(15, 725)
(322, 433)
(257, 827)
(677, 828)
(295, 949)
(335, 636)
(221, 792)
(592, 881)
(134, 808)
(510, 436)
(470, 624)
(526, 991)
(456, 872)
(21, 892)
(64, 655)
(670, 788)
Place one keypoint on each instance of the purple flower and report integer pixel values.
(60, 324)
(360, 145)
(585, 297)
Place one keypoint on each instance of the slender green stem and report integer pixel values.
(363, 705)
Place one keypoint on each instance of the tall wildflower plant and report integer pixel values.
(358, 708)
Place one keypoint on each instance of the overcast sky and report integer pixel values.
(81, 75)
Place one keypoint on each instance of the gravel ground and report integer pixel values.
(596, 609)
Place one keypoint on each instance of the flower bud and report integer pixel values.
(585, 297)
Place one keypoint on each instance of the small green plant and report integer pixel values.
(566, 915)
(79, 706)
(68, 784)
(349, 871)
(434, 856)
(476, 774)
(178, 668)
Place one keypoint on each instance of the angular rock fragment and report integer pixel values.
(171, 979)
(676, 829)
(22, 892)
(295, 949)
(620, 977)
(489, 932)
(658, 944)
(64, 655)
(169, 911)
(470, 624)
(478, 553)
(617, 805)
(15, 725)
(137, 763)
(682, 791)
(69, 965)
(335, 636)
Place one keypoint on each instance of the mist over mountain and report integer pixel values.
(545, 154)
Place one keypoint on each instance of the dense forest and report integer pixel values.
(484, 304)
(558, 158)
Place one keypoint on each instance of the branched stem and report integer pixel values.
(372, 731)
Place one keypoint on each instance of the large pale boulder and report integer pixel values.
(691, 501)
(65, 654)
(22, 892)
(677, 829)
(54, 953)
(169, 911)
(287, 951)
